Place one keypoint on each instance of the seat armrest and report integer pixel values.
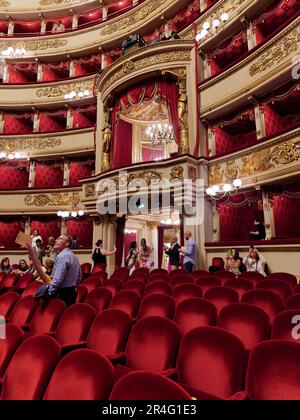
(118, 358)
(66, 348)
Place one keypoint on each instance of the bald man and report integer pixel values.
(173, 253)
(189, 253)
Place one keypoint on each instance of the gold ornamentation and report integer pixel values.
(152, 225)
(192, 173)
(34, 45)
(106, 142)
(61, 90)
(55, 199)
(275, 55)
(231, 170)
(90, 190)
(27, 144)
(150, 177)
(216, 175)
(184, 147)
(57, 2)
(177, 173)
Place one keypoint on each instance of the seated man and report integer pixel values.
(260, 232)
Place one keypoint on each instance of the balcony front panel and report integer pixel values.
(267, 65)
(34, 6)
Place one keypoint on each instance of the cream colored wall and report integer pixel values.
(15, 256)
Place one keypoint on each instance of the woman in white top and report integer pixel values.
(35, 236)
(255, 262)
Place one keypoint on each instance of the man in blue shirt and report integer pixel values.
(189, 253)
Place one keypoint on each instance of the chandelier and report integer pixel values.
(11, 52)
(160, 133)
(70, 214)
(211, 27)
(218, 192)
(77, 95)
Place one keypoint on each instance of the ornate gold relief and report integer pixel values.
(277, 53)
(106, 142)
(152, 225)
(192, 173)
(49, 2)
(231, 170)
(55, 199)
(150, 177)
(28, 144)
(177, 173)
(34, 45)
(90, 190)
(61, 90)
(184, 147)
(216, 175)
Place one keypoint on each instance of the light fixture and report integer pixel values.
(11, 52)
(211, 27)
(218, 192)
(10, 156)
(160, 132)
(77, 95)
(70, 214)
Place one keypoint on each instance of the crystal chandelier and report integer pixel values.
(160, 133)
(210, 28)
(217, 192)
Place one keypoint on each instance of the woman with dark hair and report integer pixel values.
(35, 237)
(145, 255)
(5, 266)
(234, 262)
(100, 254)
(132, 256)
(23, 266)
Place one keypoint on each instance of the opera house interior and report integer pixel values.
(149, 199)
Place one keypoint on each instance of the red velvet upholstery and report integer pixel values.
(186, 291)
(158, 271)
(82, 293)
(193, 313)
(149, 386)
(79, 171)
(48, 123)
(91, 283)
(13, 178)
(32, 289)
(277, 286)
(140, 270)
(137, 286)
(47, 226)
(98, 267)
(7, 302)
(13, 338)
(158, 277)
(24, 281)
(267, 300)
(81, 375)
(283, 325)
(180, 279)
(208, 282)
(196, 274)
(99, 298)
(211, 363)
(247, 322)
(74, 324)
(17, 124)
(240, 285)
(114, 285)
(86, 268)
(274, 122)
(293, 301)
(286, 215)
(152, 345)
(157, 287)
(109, 332)
(127, 301)
(8, 231)
(46, 317)
(83, 228)
(273, 372)
(47, 176)
(23, 311)
(221, 296)
(30, 369)
(2, 276)
(254, 277)
(8, 281)
(174, 273)
(224, 275)
(141, 276)
(157, 304)
(288, 278)
(101, 275)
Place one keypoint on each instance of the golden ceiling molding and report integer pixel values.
(28, 144)
(277, 53)
(61, 90)
(33, 45)
(55, 199)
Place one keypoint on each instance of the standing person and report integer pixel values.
(145, 255)
(234, 262)
(189, 253)
(100, 254)
(259, 234)
(132, 256)
(50, 251)
(173, 252)
(36, 236)
(66, 274)
(255, 261)
(5, 266)
(39, 250)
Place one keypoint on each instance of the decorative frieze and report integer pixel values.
(61, 90)
(29, 144)
(55, 199)
(39, 45)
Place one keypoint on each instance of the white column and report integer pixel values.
(103, 61)
(99, 145)
(27, 229)
(211, 141)
(104, 13)
(202, 5)
(11, 26)
(31, 179)
(259, 121)
(63, 227)
(66, 173)
(206, 67)
(43, 26)
(5, 73)
(69, 118)
(39, 72)
(72, 69)
(268, 216)
(74, 21)
(215, 223)
(1, 122)
(36, 121)
(251, 38)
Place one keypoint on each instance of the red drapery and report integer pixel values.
(123, 144)
(120, 240)
(160, 232)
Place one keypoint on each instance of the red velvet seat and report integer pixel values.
(46, 317)
(74, 324)
(208, 282)
(224, 275)
(199, 273)
(86, 268)
(211, 363)
(277, 286)
(91, 283)
(181, 279)
(8, 282)
(137, 286)
(109, 333)
(267, 300)
(159, 277)
(13, 338)
(285, 326)
(127, 301)
(82, 293)
(293, 302)
(141, 276)
(157, 304)
(7, 302)
(253, 276)
(193, 313)
(144, 385)
(158, 271)
(101, 275)
(221, 296)
(23, 311)
(174, 273)
(186, 291)
(288, 278)
(247, 322)
(32, 288)
(141, 270)
(2, 276)
(240, 285)
(99, 298)
(24, 281)
(81, 375)
(274, 371)
(114, 285)
(29, 371)
(157, 287)
(98, 267)
(152, 345)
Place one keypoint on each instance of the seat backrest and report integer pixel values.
(109, 332)
(81, 375)
(221, 296)
(82, 293)
(181, 279)
(134, 285)
(252, 275)
(224, 275)
(144, 277)
(29, 371)
(46, 317)
(186, 291)
(91, 283)
(158, 271)
(212, 360)
(9, 280)
(277, 286)
(153, 344)
(99, 298)
(207, 282)
(247, 322)
(2, 276)
(13, 338)
(143, 385)
(114, 285)
(157, 304)
(32, 288)
(287, 277)
(199, 273)
(24, 281)
(98, 267)
(274, 371)
(194, 313)
(127, 301)
(157, 286)
(174, 273)
(101, 275)
(75, 323)
(285, 325)
(159, 277)
(7, 302)
(86, 268)
(240, 285)
(23, 311)
(293, 301)
(269, 301)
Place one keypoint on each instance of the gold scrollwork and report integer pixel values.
(34, 45)
(90, 190)
(177, 173)
(61, 90)
(27, 144)
(192, 173)
(55, 199)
